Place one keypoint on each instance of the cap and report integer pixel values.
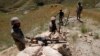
(14, 20)
(53, 18)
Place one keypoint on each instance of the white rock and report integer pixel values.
(56, 46)
(22, 54)
(80, 35)
(48, 51)
(40, 42)
(68, 31)
(42, 55)
(90, 34)
(44, 34)
(29, 51)
(25, 12)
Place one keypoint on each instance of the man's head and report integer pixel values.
(60, 10)
(79, 3)
(15, 21)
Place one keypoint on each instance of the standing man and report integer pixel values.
(17, 34)
(61, 15)
(52, 26)
(79, 11)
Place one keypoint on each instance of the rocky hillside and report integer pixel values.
(7, 6)
(82, 40)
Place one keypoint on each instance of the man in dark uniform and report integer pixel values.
(61, 15)
(17, 34)
(79, 11)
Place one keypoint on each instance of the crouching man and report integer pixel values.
(17, 34)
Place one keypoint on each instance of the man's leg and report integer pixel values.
(20, 46)
(78, 17)
(59, 28)
(61, 21)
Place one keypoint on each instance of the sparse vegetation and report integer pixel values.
(96, 36)
(84, 29)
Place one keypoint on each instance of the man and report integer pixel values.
(52, 26)
(79, 11)
(61, 15)
(17, 34)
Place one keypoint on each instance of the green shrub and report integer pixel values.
(84, 29)
(96, 36)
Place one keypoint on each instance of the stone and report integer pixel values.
(48, 51)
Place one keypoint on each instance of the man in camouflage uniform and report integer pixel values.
(17, 34)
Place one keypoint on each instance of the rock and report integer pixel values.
(90, 34)
(29, 51)
(56, 46)
(65, 50)
(44, 34)
(25, 12)
(80, 35)
(22, 54)
(68, 31)
(48, 51)
(89, 39)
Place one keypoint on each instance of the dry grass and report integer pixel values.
(84, 29)
(29, 21)
(96, 36)
(90, 13)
